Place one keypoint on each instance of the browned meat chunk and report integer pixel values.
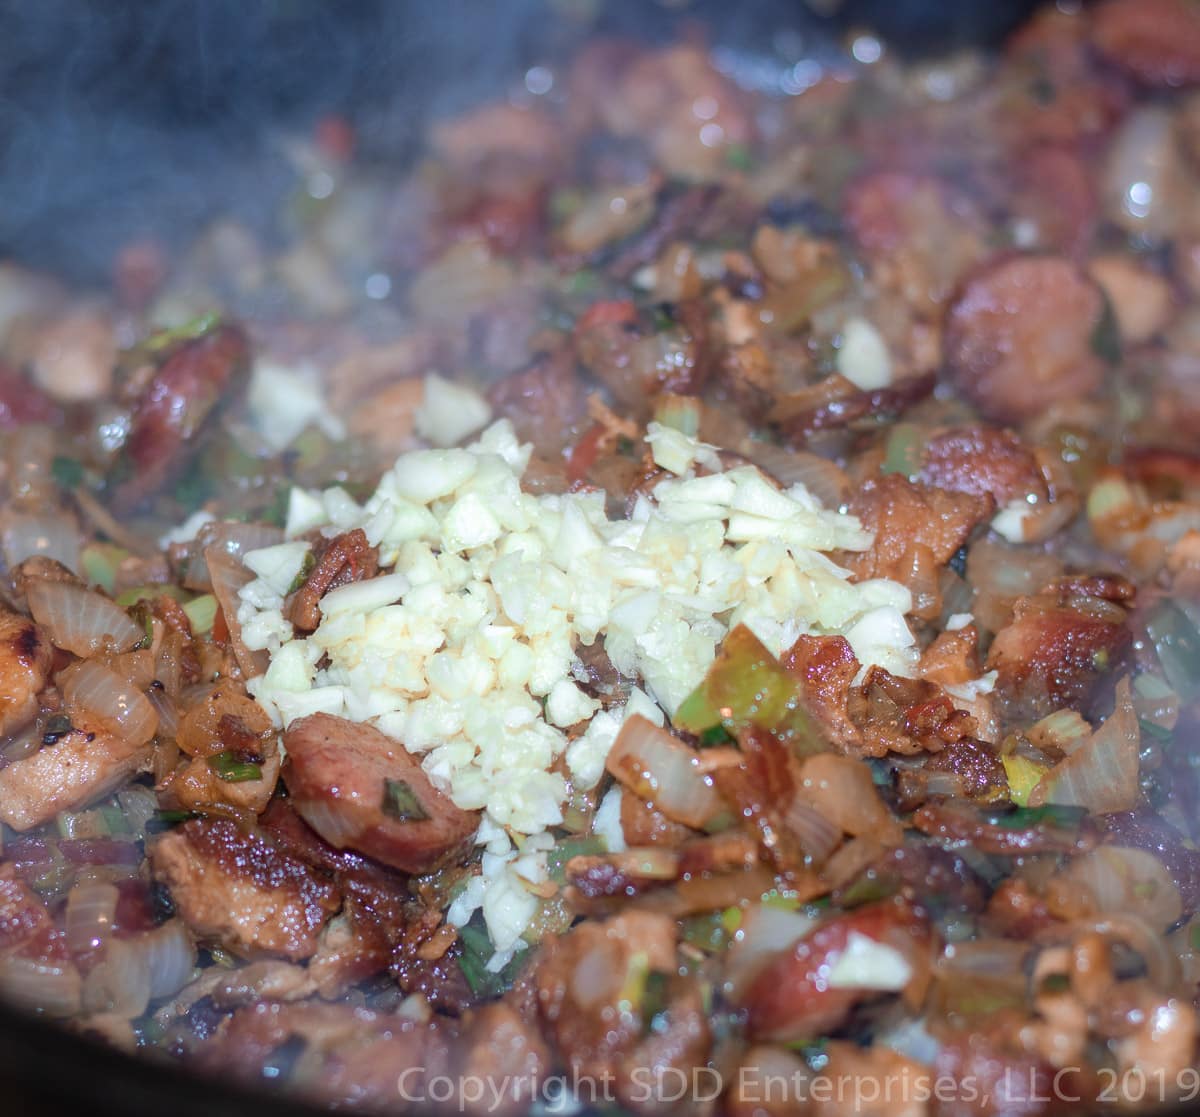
(189, 387)
(638, 364)
(584, 983)
(544, 401)
(25, 924)
(957, 822)
(240, 891)
(793, 999)
(25, 656)
(983, 461)
(345, 558)
(360, 789)
(78, 768)
(1019, 336)
(826, 666)
(917, 530)
(919, 238)
(1057, 649)
(1157, 41)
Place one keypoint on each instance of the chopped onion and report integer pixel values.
(765, 932)
(228, 576)
(82, 621)
(139, 805)
(1121, 879)
(90, 688)
(989, 957)
(818, 837)
(89, 915)
(168, 715)
(1101, 773)
(664, 771)
(53, 988)
(841, 788)
(821, 477)
(1162, 965)
(232, 539)
(170, 957)
(26, 536)
(120, 983)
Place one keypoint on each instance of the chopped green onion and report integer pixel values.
(1022, 818)
(708, 932)
(1160, 733)
(739, 157)
(232, 770)
(201, 612)
(747, 687)
(557, 858)
(100, 562)
(149, 593)
(401, 803)
(67, 472)
(1178, 645)
(306, 568)
(476, 950)
(1106, 337)
(902, 453)
(189, 331)
(654, 1002)
(682, 413)
(1194, 935)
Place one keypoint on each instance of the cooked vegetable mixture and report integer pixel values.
(684, 599)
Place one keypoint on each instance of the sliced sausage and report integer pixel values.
(984, 461)
(1156, 41)
(189, 386)
(343, 777)
(1019, 336)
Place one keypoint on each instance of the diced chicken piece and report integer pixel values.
(25, 656)
(240, 891)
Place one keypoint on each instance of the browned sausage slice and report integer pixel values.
(1157, 41)
(1019, 337)
(361, 790)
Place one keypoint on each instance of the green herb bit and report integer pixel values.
(1178, 645)
(739, 157)
(401, 803)
(654, 1002)
(230, 768)
(476, 950)
(1052, 814)
(306, 568)
(1106, 337)
(67, 472)
(1159, 733)
(190, 331)
(557, 858)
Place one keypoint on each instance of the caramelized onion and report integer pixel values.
(228, 576)
(765, 932)
(52, 988)
(91, 689)
(82, 621)
(89, 915)
(664, 771)
(25, 536)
